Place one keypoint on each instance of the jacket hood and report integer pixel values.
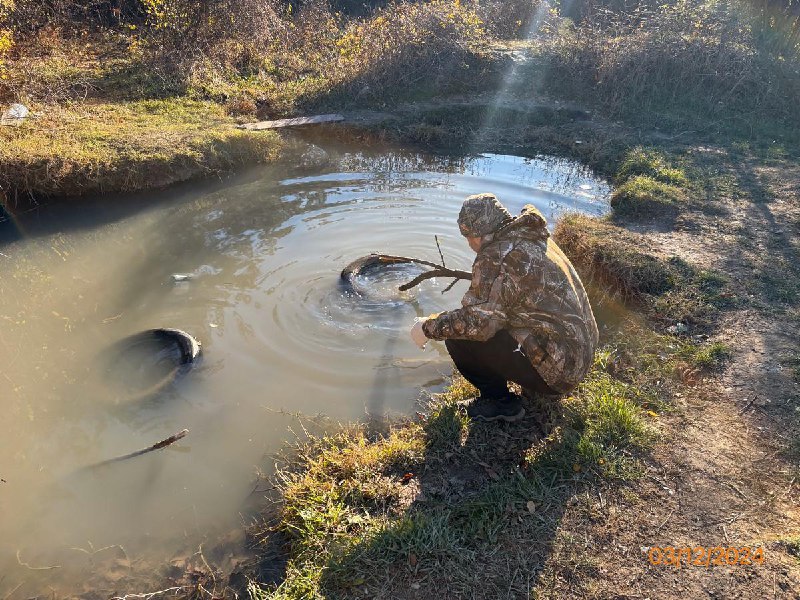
(530, 224)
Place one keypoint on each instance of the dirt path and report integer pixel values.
(722, 475)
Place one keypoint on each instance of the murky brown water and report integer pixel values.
(279, 336)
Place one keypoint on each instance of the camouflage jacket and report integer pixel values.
(523, 282)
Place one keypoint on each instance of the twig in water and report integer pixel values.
(91, 552)
(151, 594)
(162, 444)
(27, 566)
(210, 571)
(438, 272)
(450, 287)
(436, 237)
(11, 593)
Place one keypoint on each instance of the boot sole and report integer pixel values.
(506, 418)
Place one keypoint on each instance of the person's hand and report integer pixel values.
(419, 337)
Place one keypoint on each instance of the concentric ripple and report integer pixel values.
(317, 333)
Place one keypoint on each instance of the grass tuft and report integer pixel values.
(651, 163)
(707, 356)
(642, 195)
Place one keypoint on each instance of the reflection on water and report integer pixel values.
(262, 254)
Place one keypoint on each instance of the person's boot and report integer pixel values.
(507, 408)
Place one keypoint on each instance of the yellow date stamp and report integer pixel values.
(705, 556)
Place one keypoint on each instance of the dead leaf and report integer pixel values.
(412, 559)
(576, 467)
(531, 506)
(406, 478)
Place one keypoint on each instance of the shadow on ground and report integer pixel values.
(480, 515)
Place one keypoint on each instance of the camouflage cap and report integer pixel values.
(481, 215)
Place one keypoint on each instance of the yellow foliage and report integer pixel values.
(6, 41)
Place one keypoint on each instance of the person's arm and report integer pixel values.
(483, 313)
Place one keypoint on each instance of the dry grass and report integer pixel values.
(121, 147)
(615, 266)
(127, 110)
(691, 64)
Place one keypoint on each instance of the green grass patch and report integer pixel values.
(706, 356)
(606, 422)
(652, 163)
(642, 195)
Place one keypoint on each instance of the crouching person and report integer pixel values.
(525, 318)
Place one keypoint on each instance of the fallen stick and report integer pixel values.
(295, 122)
(371, 261)
(439, 272)
(162, 444)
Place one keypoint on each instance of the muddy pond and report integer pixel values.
(258, 258)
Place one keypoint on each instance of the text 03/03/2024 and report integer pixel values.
(705, 556)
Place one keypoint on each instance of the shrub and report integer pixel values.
(30, 16)
(181, 33)
(693, 59)
(407, 44)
